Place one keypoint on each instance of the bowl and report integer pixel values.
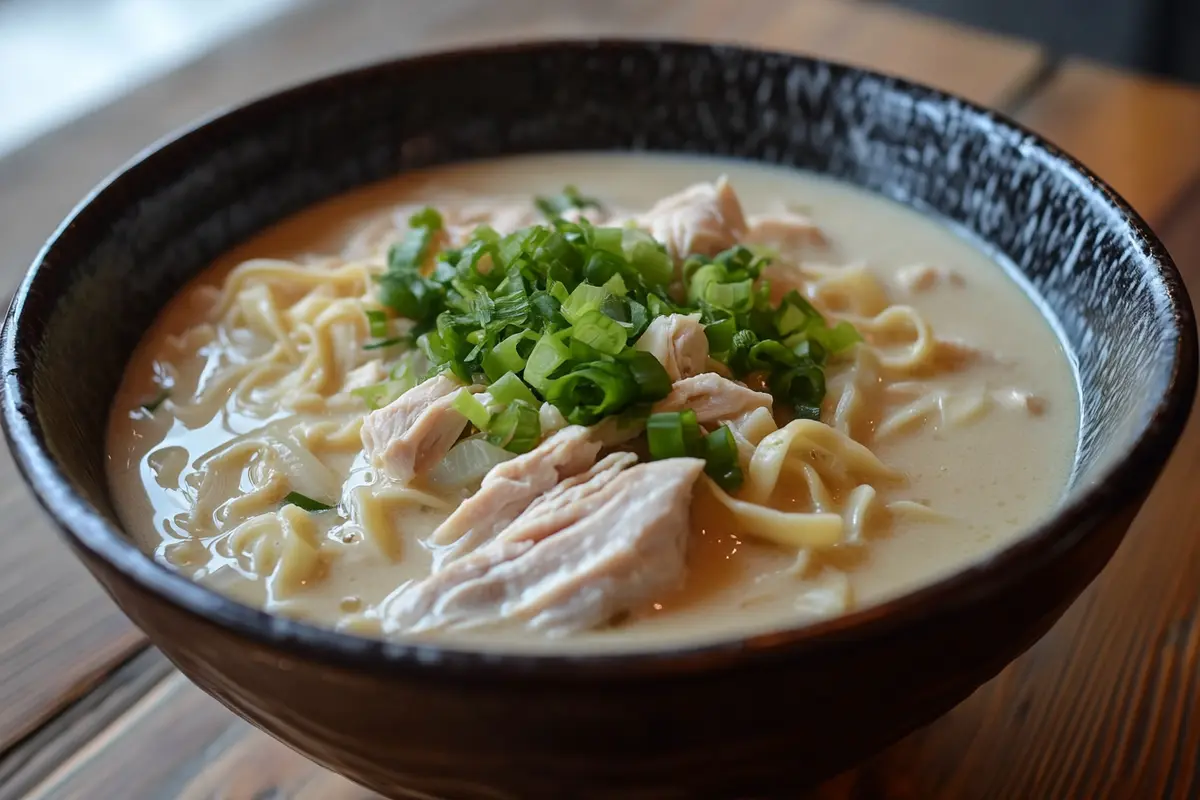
(757, 716)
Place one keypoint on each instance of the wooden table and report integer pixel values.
(1106, 706)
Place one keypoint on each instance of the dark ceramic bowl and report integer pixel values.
(752, 717)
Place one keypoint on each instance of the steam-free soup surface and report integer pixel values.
(250, 387)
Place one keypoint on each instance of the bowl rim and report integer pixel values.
(1124, 480)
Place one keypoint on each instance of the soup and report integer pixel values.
(689, 400)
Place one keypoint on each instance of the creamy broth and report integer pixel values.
(985, 446)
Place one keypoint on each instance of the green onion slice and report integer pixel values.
(593, 391)
(599, 332)
(673, 434)
(305, 502)
(509, 388)
(377, 323)
(469, 406)
(518, 428)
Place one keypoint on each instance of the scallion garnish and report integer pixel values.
(389, 342)
(676, 434)
(589, 393)
(469, 406)
(377, 323)
(554, 205)
(673, 434)
(552, 310)
(509, 388)
(517, 428)
(305, 502)
(721, 459)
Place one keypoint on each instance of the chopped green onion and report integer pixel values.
(585, 298)
(673, 434)
(377, 323)
(802, 387)
(770, 354)
(392, 342)
(517, 428)
(548, 311)
(616, 286)
(305, 502)
(593, 391)
(469, 406)
(676, 434)
(721, 459)
(548, 355)
(648, 257)
(554, 205)
(790, 319)
(509, 355)
(510, 388)
(737, 296)
(653, 382)
(599, 332)
(153, 403)
(720, 335)
(838, 338)
(701, 279)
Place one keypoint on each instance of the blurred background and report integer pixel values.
(62, 58)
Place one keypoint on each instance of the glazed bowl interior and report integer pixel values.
(1083, 255)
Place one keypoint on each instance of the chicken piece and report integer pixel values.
(366, 375)
(600, 548)
(509, 488)
(784, 229)
(503, 215)
(415, 430)
(703, 219)
(952, 354)
(713, 398)
(922, 277)
(569, 501)
(1021, 400)
(679, 343)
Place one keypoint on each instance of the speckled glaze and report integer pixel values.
(757, 717)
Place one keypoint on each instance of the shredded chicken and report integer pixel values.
(713, 398)
(679, 343)
(594, 550)
(509, 488)
(704, 219)
(922, 277)
(1021, 400)
(415, 431)
(785, 229)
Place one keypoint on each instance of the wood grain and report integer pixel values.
(1142, 135)
(1107, 704)
(58, 634)
(26, 765)
(180, 743)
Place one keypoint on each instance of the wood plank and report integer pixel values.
(1106, 704)
(58, 634)
(980, 66)
(28, 764)
(180, 743)
(1140, 134)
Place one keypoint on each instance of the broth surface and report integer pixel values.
(990, 478)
